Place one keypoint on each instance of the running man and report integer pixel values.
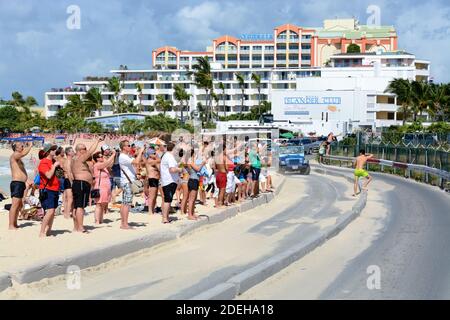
(360, 172)
(19, 178)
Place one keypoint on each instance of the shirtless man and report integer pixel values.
(19, 178)
(66, 164)
(81, 187)
(221, 173)
(152, 163)
(360, 172)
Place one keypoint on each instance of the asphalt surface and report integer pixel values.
(411, 252)
(208, 257)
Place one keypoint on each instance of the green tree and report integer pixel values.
(139, 88)
(353, 48)
(222, 87)
(95, 127)
(9, 117)
(115, 86)
(241, 82)
(161, 104)
(203, 79)
(440, 97)
(93, 100)
(183, 97)
(131, 126)
(403, 90)
(257, 79)
(421, 97)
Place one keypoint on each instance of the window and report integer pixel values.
(391, 115)
(269, 48)
(256, 48)
(306, 46)
(306, 36)
(245, 48)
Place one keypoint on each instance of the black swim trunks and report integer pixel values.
(193, 184)
(153, 183)
(81, 191)
(17, 189)
(67, 184)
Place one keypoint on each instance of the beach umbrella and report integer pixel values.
(156, 141)
(287, 135)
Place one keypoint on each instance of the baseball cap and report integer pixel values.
(149, 152)
(105, 147)
(48, 146)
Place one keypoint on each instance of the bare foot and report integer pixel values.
(13, 228)
(165, 221)
(42, 235)
(126, 228)
(194, 217)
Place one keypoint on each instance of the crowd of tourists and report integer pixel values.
(169, 176)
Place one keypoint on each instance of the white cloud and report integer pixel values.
(204, 22)
(424, 30)
(92, 67)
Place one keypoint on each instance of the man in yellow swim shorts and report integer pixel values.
(360, 172)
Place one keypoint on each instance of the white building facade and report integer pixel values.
(349, 94)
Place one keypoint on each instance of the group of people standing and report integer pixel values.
(187, 171)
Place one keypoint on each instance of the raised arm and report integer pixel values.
(138, 159)
(107, 163)
(27, 149)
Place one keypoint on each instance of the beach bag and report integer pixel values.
(137, 187)
(95, 193)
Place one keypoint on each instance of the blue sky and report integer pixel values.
(39, 52)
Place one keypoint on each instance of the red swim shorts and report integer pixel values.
(221, 180)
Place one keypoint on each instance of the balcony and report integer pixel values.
(385, 107)
(387, 123)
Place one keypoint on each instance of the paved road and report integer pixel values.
(410, 247)
(208, 257)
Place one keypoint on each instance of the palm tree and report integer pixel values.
(115, 86)
(162, 104)
(403, 90)
(421, 97)
(203, 79)
(257, 79)
(139, 88)
(215, 97)
(241, 81)
(76, 106)
(222, 87)
(93, 100)
(440, 97)
(183, 96)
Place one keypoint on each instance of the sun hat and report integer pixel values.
(48, 146)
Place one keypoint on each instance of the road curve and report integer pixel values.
(410, 249)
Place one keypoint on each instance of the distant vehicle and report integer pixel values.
(292, 159)
(310, 145)
(425, 139)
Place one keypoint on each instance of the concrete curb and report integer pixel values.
(253, 276)
(5, 281)
(100, 254)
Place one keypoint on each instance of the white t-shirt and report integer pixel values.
(125, 165)
(167, 162)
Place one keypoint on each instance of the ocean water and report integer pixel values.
(5, 172)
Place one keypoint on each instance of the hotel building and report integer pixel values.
(286, 61)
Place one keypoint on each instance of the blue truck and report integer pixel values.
(292, 159)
